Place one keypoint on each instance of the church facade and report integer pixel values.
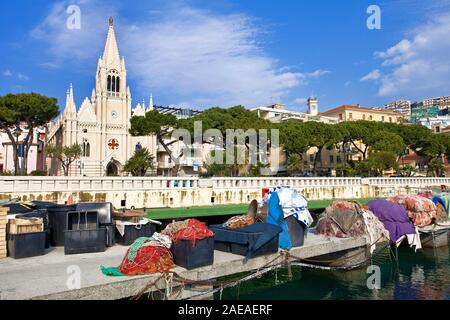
(101, 125)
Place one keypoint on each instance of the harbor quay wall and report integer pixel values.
(160, 192)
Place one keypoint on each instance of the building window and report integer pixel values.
(86, 149)
(113, 82)
(382, 118)
(340, 116)
(311, 158)
(390, 119)
(338, 159)
(350, 115)
(364, 117)
(370, 118)
(331, 159)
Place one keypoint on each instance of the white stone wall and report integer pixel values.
(156, 192)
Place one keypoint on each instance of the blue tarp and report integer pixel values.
(276, 217)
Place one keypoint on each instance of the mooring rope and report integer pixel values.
(287, 259)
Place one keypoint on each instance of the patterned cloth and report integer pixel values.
(292, 202)
(442, 202)
(420, 210)
(375, 229)
(237, 222)
(342, 219)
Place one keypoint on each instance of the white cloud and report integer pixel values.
(191, 55)
(22, 76)
(300, 101)
(348, 83)
(66, 44)
(418, 67)
(372, 76)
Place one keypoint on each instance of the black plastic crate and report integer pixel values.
(104, 210)
(110, 233)
(40, 213)
(296, 231)
(133, 232)
(188, 256)
(251, 241)
(82, 220)
(84, 241)
(26, 245)
(57, 222)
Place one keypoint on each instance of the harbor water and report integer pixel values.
(419, 276)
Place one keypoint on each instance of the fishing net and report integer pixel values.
(237, 222)
(190, 229)
(147, 255)
(341, 219)
(422, 211)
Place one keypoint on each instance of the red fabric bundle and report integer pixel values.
(149, 259)
(194, 231)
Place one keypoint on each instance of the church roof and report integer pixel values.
(111, 53)
(70, 109)
(87, 113)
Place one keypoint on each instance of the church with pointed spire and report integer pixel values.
(101, 124)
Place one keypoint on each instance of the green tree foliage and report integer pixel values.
(344, 170)
(377, 163)
(141, 161)
(160, 125)
(384, 140)
(436, 168)
(32, 109)
(406, 171)
(66, 155)
(295, 164)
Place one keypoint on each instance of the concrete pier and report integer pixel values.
(53, 275)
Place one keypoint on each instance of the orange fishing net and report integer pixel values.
(420, 210)
(149, 259)
(239, 222)
(190, 229)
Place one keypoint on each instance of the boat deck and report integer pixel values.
(48, 276)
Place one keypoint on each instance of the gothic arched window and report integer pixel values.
(113, 85)
(113, 82)
(86, 149)
(117, 84)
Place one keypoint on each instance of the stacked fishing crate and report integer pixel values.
(3, 222)
(26, 237)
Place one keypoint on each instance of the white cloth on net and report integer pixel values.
(293, 203)
(120, 225)
(413, 240)
(375, 229)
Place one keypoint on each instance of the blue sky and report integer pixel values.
(227, 52)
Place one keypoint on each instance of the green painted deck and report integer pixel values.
(222, 210)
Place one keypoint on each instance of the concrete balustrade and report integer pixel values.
(153, 192)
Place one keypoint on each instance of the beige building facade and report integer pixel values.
(101, 125)
(353, 113)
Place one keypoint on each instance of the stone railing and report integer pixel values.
(262, 182)
(86, 184)
(404, 182)
(155, 192)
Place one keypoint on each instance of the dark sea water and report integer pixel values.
(419, 276)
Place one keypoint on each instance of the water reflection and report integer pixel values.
(423, 275)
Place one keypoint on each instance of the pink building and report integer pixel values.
(36, 155)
